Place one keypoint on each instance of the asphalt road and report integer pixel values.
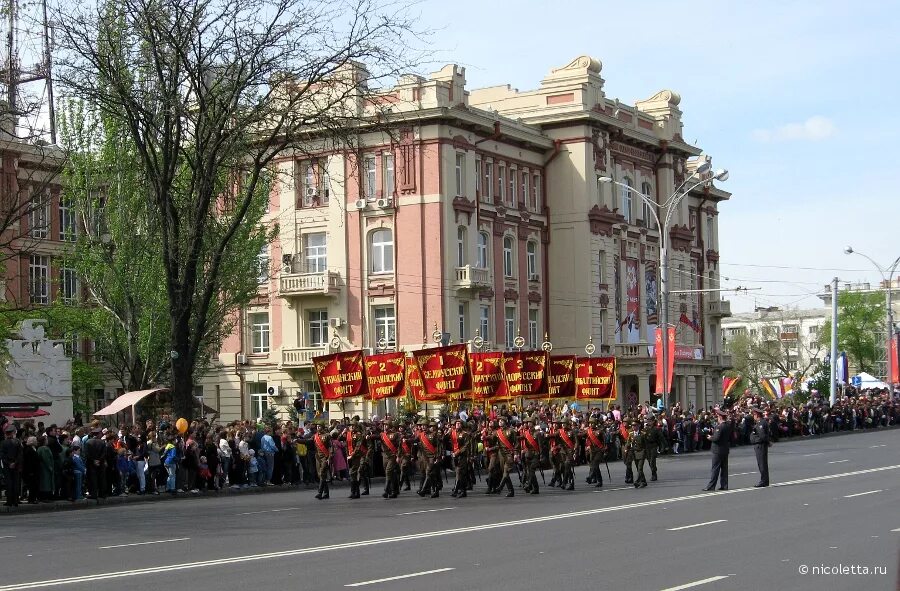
(834, 503)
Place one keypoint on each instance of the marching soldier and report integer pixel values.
(460, 445)
(596, 450)
(653, 439)
(322, 443)
(557, 456)
(627, 455)
(531, 455)
(430, 451)
(759, 437)
(356, 452)
(405, 455)
(567, 440)
(506, 439)
(720, 446)
(368, 460)
(636, 445)
(390, 450)
(491, 444)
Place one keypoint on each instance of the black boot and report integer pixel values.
(509, 486)
(365, 484)
(354, 489)
(319, 492)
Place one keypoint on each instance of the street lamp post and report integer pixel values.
(887, 275)
(670, 204)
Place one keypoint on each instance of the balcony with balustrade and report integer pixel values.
(328, 283)
(473, 278)
(300, 357)
(718, 308)
(629, 351)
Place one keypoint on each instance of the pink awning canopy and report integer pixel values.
(126, 400)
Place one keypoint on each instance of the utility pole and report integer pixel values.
(834, 320)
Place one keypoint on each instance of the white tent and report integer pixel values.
(865, 380)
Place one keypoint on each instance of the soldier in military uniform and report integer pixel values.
(595, 447)
(627, 454)
(759, 437)
(653, 439)
(494, 470)
(567, 441)
(321, 442)
(531, 455)
(356, 451)
(557, 456)
(459, 442)
(637, 446)
(368, 461)
(431, 454)
(720, 445)
(506, 448)
(390, 450)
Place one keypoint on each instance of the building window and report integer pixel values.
(68, 285)
(463, 314)
(525, 177)
(710, 227)
(259, 399)
(626, 200)
(68, 221)
(72, 345)
(647, 213)
(39, 216)
(814, 330)
(317, 321)
(308, 185)
(381, 251)
(478, 184)
(259, 331)
(385, 326)
(536, 193)
(488, 181)
(484, 322)
(531, 257)
(509, 325)
(262, 265)
(315, 248)
(369, 169)
(602, 265)
(461, 247)
(460, 174)
(501, 183)
(387, 174)
(513, 176)
(695, 228)
(601, 333)
(508, 257)
(39, 276)
(483, 259)
(533, 329)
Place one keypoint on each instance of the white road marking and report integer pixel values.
(838, 461)
(696, 525)
(821, 453)
(4, 537)
(142, 543)
(425, 572)
(871, 492)
(898, 529)
(874, 446)
(743, 473)
(232, 560)
(427, 511)
(270, 511)
(696, 583)
(612, 489)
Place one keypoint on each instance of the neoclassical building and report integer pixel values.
(482, 211)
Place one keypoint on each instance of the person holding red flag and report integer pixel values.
(460, 445)
(506, 440)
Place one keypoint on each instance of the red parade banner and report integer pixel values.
(657, 350)
(595, 378)
(560, 371)
(525, 373)
(895, 359)
(385, 375)
(340, 375)
(487, 375)
(414, 382)
(444, 370)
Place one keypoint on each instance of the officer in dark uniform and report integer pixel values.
(637, 446)
(627, 454)
(390, 450)
(321, 442)
(531, 454)
(720, 440)
(759, 437)
(458, 441)
(653, 438)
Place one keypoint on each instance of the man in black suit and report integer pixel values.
(759, 437)
(720, 444)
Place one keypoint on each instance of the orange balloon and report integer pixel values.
(182, 425)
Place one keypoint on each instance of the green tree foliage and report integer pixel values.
(208, 94)
(861, 326)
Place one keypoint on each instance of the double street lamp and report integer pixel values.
(669, 205)
(887, 275)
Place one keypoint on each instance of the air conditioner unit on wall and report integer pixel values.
(336, 322)
(311, 192)
(273, 389)
(384, 202)
(360, 204)
(241, 359)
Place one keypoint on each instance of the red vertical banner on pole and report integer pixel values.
(657, 350)
(671, 359)
(895, 359)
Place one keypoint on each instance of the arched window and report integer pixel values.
(531, 259)
(461, 258)
(626, 199)
(508, 256)
(647, 216)
(483, 259)
(381, 251)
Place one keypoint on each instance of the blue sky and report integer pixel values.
(794, 98)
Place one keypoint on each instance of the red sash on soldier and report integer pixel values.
(386, 440)
(428, 445)
(623, 431)
(594, 441)
(349, 443)
(454, 437)
(320, 445)
(405, 447)
(565, 437)
(502, 437)
(532, 442)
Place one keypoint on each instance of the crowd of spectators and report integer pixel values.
(74, 462)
